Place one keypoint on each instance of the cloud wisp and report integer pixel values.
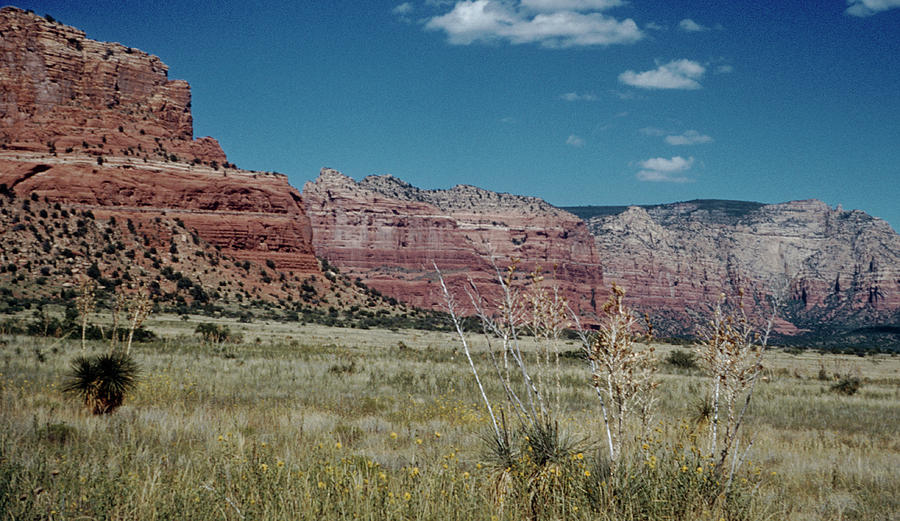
(677, 74)
(574, 96)
(575, 141)
(689, 26)
(663, 170)
(548, 23)
(688, 137)
(863, 8)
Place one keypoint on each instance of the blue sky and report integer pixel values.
(575, 101)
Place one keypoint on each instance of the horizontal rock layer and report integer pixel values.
(828, 267)
(392, 235)
(252, 216)
(100, 125)
(62, 91)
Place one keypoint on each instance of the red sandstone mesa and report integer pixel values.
(101, 125)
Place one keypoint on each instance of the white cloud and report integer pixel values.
(870, 7)
(677, 74)
(689, 137)
(570, 5)
(575, 141)
(660, 169)
(403, 9)
(690, 26)
(654, 26)
(574, 96)
(653, 131)
(485, 20)
(724, 69)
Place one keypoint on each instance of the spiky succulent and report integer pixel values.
(102, 381)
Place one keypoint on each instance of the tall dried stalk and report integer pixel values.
(138, 308)
(623, 375)
(85, 303)
(118, 307)
(527, 385)
(732, 352)
(452, 310)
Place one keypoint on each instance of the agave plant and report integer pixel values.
(102, 381)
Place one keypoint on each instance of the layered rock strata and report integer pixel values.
(391, 234)
(99, 125)
(829, 267)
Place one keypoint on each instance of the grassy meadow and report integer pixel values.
(310, 422)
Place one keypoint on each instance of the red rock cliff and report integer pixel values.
(100, 125)
(60, 90)
(389, 233)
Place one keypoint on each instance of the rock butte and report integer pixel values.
(100, 125)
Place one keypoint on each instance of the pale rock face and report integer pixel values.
(58, 87)
(829, 267)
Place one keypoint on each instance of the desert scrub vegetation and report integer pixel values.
(273, 433)
(530, 452)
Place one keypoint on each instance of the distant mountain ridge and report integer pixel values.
(726, 207)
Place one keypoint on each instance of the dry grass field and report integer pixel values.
(310, 422)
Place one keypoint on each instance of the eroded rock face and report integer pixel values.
(251, 216)
(100, 126)
(60, 90)
(391, 234)
(831, 268)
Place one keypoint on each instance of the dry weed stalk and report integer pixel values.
(623, 375)
(139, 307)
(118, 307)
(732, 352)
(538, 311)
(85, 303)
(450, 303)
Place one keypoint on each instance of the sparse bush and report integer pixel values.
(682, 359)
(847, 385)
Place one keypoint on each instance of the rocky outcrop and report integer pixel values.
(60, 91)
(251, 216)
(831, 268)
(390, 234)
(99, 126)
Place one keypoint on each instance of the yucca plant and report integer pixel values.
(102, 381)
